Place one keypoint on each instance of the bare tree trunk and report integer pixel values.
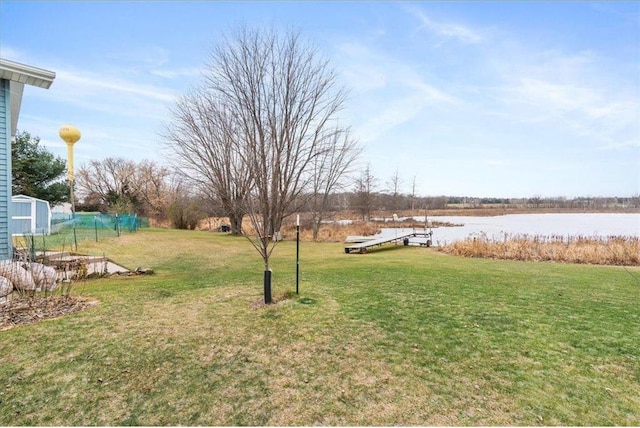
(236, 223)
(413, 194)
(315, 227)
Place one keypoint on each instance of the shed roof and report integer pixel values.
(19, 75)
(25, 198)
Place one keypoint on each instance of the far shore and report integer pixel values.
(485, 211)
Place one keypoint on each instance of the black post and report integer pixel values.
(95, 226)
(297, 256)
(75, 237)
(267, 286)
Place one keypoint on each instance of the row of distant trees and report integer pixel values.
(164, 194)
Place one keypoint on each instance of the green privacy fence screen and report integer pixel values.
(69, 231)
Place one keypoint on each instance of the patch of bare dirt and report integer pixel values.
(24, 310)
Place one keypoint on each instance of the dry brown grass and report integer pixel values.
(333, 232)
(612, 250)
(22, 309)
(329, 232)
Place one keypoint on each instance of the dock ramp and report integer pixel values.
(376, 241)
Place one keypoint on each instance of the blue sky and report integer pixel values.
(501, 99)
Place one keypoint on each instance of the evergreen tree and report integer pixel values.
(37, 172)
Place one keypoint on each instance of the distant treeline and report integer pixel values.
(402, 202)
(555, 202)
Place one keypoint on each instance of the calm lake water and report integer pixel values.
(600, 225)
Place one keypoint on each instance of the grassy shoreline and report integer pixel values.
(611, 251)
(403, 336)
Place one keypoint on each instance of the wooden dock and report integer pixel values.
(364, 244)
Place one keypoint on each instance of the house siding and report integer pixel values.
(5, 170)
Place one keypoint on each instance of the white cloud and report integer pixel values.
(106, 95)
(600, 115)
(387, 91)
(141, 58)
(362, 69)
(189, 72)
(430, 92)
(581, 98)
(84, 82)
(445, 30)
(390, 116)
(551, 98)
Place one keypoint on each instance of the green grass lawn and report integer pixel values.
(399, 336)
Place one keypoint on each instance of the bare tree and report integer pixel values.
(120, 185)
(270, 103)
(364, 196)
(329, 169)
(204, 144)
(111, 181)
(413, 193)
(153, 187)
(393, 187)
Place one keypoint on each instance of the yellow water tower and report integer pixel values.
(70, 135)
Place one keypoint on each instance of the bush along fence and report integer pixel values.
(67, 232)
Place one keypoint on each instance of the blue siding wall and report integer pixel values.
(5, 170)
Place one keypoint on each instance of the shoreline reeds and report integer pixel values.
(608, 250)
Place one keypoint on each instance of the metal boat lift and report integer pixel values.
(363, 243)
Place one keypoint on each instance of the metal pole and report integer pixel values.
(394, 217)
(73, 202)
(95, 226)
(297, 252)
(71, 195)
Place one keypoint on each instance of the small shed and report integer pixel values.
(30, 216)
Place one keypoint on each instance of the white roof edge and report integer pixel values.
(14, 71)
(23, 197)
